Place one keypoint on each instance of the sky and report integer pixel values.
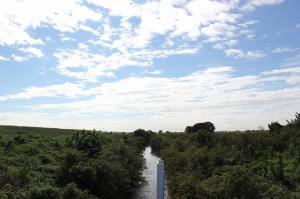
(119, 65)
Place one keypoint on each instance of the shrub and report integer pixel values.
(204, 138)
(89, 142)
(45, 192)
(71, 191)
(19, 139)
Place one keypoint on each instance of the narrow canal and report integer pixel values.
(147, 190)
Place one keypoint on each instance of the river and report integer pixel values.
(147, 190)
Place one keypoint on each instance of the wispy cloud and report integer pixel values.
(252, 4)
(2, 58)
(153, 72)
(66, 89)
(284, 50)
(239, 54)
(176, 101)
(95, 65)
(91, 47)
(196, 94)
(32, 51)
(20, 58)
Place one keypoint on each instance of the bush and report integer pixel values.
(45, 192)
(19, 139)
(204, 138)
(71, 191)
(89, 142)
(242, 184)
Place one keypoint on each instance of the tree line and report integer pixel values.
(203, 164)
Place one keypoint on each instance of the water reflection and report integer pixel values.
(148, 189)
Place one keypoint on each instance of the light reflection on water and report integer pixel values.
(148, 189)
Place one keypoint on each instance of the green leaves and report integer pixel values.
(82, 165)
(226, 165)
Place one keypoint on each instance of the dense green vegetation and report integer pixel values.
(41, 163)
(45, 163)
(226, 165)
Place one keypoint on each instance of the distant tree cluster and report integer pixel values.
(276, 127)
(145, 135)
(294, 123)
(205, 126)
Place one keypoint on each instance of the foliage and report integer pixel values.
(145, 135)
(89, 142)
(294, 123)
(43, 163)
(205, 126)
(226, 165)
(275, 127)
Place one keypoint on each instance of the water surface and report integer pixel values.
(147, 190)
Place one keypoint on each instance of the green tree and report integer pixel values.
(275, 127)
(205, 126)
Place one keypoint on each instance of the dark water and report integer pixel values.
(148, 189)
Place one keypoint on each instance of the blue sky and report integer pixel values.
(156, 64)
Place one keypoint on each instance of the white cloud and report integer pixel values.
(239, 54)
(46, 120)
(252, 4)
(292, 70)
(284, 50)
(183, 24)
(187, 21)
(83, 46)
(33, 51)
(17, 17)
(154, 72)
(91, 66)
(30, 52)
(223, 45)
(89, 29)
(19, 58)
(2, 58)
(178, 18)
(66, 89)
(297, 25)
(67, 39)
(214, 94)
(125, 8)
